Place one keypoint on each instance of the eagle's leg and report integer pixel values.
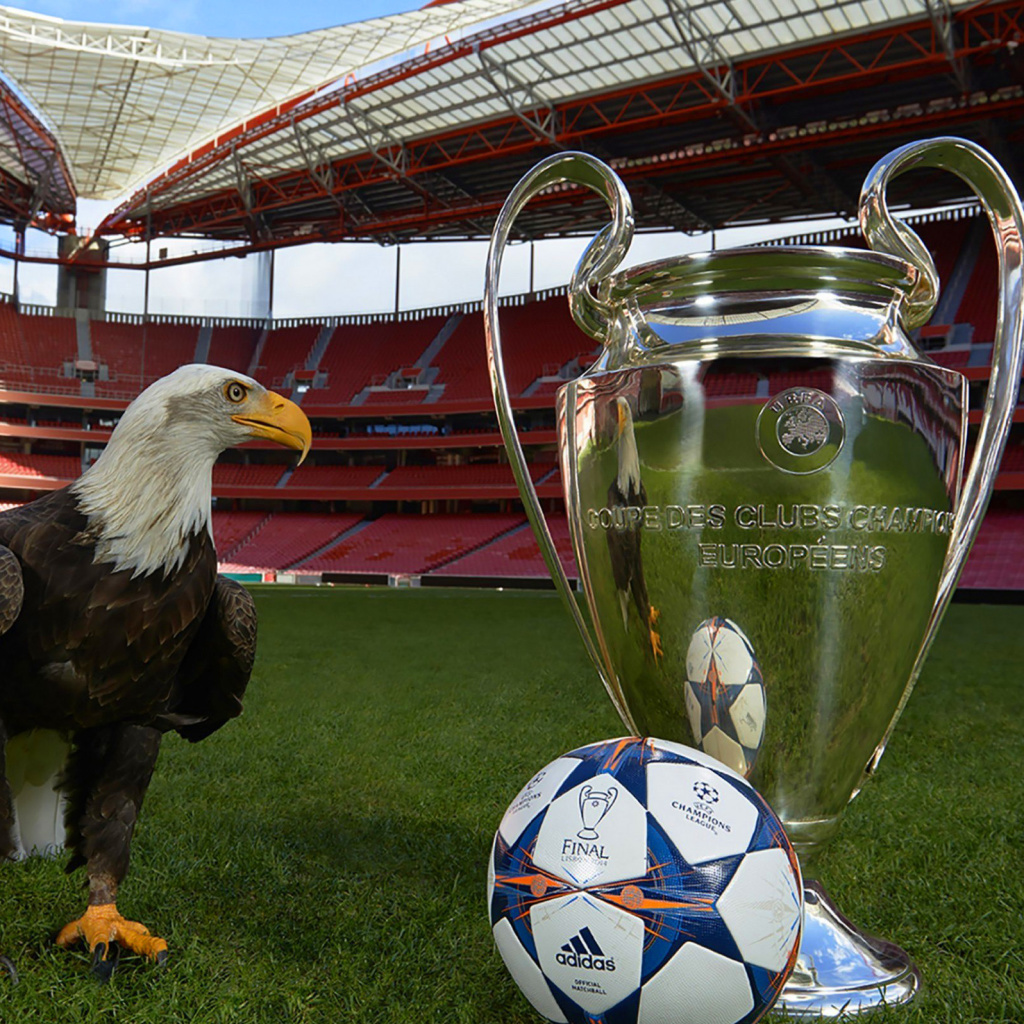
(652, 617)
(8, 843)
(108, 776)
(8, 847)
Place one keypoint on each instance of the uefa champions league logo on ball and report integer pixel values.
(705, 792)
(594, 805)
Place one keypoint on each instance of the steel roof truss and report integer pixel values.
(941, 15)
(520, 97)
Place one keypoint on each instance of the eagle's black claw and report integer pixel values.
(8, 966)
(102, 964)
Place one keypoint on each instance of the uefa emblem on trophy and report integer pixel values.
(768, 504)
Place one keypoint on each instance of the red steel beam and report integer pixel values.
(38, 151)
(707, 161)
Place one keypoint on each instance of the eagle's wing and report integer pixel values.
(218, 664)
(12, 592)
(12, 589)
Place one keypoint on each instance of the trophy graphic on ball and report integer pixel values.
(594, 805)
(768, 504)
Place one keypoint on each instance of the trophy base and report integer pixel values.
(842, 970)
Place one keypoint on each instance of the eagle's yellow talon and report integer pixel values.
(656, 644)
(652, 617)
(102, 924)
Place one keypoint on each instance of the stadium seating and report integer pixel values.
(543, 344)
(399, 543)
(231, 528)
(49, 467)
(286, 538)
(539, 338)
(233, 347)
(49, 340)
(168, 346)
(363, 354)
(284, 350)
(12, 349)
(463, 370)
(328, 476)
(730, 384)
(488, 474)
(119, 346)
(137, 354)
(953, 359)
(234, 474)
(821, 379)
(516, 554)
(978, 306)
(395, 396)
(996, 561)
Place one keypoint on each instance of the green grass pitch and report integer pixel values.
(324, 857)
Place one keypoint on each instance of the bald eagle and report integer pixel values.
(627, 491)
(115, 627)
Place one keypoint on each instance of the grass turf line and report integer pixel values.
(324, 857)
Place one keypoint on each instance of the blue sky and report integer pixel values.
(243, 18)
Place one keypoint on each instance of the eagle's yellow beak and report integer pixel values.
(621, 416)
(278, 419)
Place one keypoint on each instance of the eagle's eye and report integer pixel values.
(235, 392)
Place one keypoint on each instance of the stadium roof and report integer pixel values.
(124, 101)
(720, 111)
(716, 112)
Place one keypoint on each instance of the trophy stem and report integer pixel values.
(842, 970)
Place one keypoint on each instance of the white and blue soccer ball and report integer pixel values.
(724, 693)
(638, 881)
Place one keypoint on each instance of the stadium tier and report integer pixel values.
(477, 475)
(284, 350)
(978, 307)
(131, 355)
(231, 528)
(285, 539)
(360, 356)
(335, 476)
(61, 468)
(996, 561)
(233, 474)
(49, 341)
(410, 544)
(233, 346)
(516, 555)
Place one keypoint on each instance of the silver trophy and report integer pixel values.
(765, 492)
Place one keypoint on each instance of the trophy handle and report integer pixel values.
(589, 310)
(1001, 203)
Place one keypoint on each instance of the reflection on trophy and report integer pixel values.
(819, 518)
(594, 805)
(624, 537)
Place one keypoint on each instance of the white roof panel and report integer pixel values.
(125, 101)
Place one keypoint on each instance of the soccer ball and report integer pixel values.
(725, 698)
(638, 881)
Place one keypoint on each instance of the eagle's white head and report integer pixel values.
(628, 476)
(151, 488)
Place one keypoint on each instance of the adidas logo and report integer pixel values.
(582, 950)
